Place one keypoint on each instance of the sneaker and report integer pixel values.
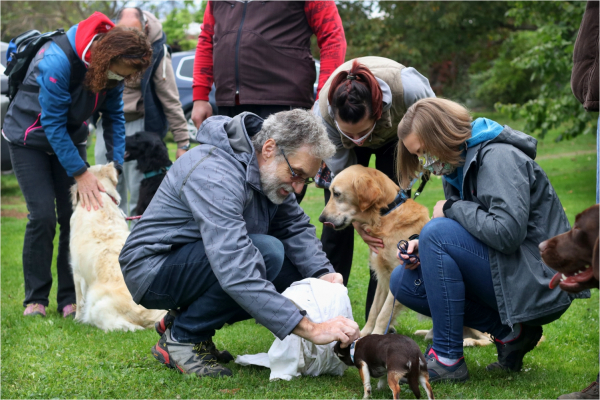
(35, 309)
(189, 358)
(167, 321)
(510, 354)
(439, 372)
(69, 311)
(590, 392)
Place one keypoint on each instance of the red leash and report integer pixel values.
(132, 218)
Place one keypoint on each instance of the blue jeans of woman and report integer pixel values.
(185, 281)
(453, 285)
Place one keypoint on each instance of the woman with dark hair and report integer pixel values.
(479, 260)
(361, 105)
(71, 77)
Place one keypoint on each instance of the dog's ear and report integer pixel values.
(111, 172)
(367, 191)
(595, 256)
(74, 195)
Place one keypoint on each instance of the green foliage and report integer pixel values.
(177, 22)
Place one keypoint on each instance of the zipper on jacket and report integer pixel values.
(32, 127)
(237, 55)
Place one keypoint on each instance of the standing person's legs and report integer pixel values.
(598, 162)
(33, 170)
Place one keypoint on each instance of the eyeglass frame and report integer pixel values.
(306, 181)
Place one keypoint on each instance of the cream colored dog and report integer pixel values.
(97, 237)
(358, 194)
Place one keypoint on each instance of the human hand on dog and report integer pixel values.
(88, 190)
(337, 329)
(371, 241)
(438, 210)
(333, 278)
(413, 248)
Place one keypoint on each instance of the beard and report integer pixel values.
(271, 184)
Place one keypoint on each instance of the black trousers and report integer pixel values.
(45, 186)
(262, 111)
(339, 245)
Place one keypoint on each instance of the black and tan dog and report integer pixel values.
(396, 356)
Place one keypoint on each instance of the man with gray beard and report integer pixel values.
(224, 236)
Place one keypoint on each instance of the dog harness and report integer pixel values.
(161, 171)
(352, 349)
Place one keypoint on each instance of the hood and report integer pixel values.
(86, 30)
(527, 144)
(154, 27)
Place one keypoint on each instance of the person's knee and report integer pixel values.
(272, 252)
(435, 229)
(43, 217)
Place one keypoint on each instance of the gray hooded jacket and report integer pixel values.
(510, 205)
(213, 193)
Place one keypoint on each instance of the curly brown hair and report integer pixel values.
(127, 45)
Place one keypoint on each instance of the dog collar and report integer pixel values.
(161, 171)
(112, 198)
(400, 199)
(352, 349)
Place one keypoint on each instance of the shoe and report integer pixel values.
(35, 309)
(69, 311)
(189, 358)
(167, 321)
(590, 392)
(439, 372)
(510, 354)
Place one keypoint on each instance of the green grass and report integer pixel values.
(55, 358)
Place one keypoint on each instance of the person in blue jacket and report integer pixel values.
(71, 77)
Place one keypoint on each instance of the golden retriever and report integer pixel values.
(358, 194)
(97, 237)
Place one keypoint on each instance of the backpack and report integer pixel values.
(23, 48)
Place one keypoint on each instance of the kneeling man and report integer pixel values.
(224, 236)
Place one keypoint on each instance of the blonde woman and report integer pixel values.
(479, 260)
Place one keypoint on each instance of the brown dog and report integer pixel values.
(574, 252)
(358, 194)
(398, 355)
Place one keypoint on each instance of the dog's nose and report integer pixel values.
(322, 218)
(543, 246)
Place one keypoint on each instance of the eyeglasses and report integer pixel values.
(295, 176)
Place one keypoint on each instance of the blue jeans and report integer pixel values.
(453, 285)
(186, 281)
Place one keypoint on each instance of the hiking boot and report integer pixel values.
(590, 392)
(439, 372)
(35, 309)
(69, 311)
(189, 358)
(511, 353)
(167, 321)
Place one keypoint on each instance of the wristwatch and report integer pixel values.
(185, 147)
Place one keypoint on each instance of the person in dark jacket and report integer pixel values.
(70, 78)
(479, 261)
(224, 236)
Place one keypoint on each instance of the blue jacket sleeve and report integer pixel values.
(55, 100)
(113, 123)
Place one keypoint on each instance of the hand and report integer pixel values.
(413, 248)
(202, 110)
(333, 278)
(438, 210)
(339, 328)
(373, 242)
(179, 153)
(88, 190)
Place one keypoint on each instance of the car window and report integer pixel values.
(185, 69)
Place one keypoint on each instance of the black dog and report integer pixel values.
(153, 161)
(396, 356)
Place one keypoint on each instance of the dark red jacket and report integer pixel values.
(584, 78)
(260, 50)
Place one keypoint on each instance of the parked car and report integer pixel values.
(183, 65)
(5, 163)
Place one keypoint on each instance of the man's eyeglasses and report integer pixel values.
(295, 176)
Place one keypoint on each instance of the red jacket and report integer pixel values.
(261, 51)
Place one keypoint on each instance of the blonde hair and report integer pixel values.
(441, 126)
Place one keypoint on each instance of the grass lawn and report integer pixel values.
(55, 358)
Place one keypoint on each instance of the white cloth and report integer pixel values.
(294, 356)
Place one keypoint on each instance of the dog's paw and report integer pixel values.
(422, 332)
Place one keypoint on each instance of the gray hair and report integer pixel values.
(293, 130)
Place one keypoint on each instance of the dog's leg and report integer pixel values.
(390, 306)
(380, 296)
(79, 299)
(413, 383)
(475, 338)
(393, 379)
(365, 376)
(382, 383)
(424, 379)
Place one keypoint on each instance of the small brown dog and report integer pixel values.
(574, 254)
(398, 355)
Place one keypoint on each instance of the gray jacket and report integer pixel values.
(213, 193)
(510, 205)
